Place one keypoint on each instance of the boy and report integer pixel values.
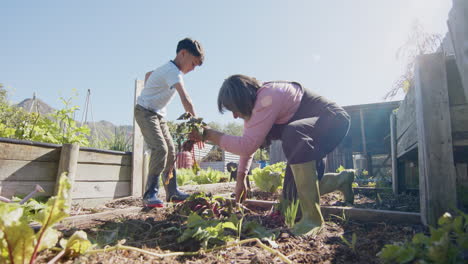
(150, 110)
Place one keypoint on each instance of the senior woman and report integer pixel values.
(309, 127)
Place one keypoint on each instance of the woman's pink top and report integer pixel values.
(276, 103)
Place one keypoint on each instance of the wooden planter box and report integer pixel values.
(99, 175)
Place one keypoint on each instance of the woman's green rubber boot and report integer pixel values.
(342, 181)
(305, 176)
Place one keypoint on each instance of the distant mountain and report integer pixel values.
(99, 130)
(36, 105)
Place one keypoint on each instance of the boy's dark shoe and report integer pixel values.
(150, 198)
(153, 202)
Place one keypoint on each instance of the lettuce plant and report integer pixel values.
(270, 178)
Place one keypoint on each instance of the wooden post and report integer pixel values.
(137, 152)
(437, 178)
(68, 163)
(363, 132)
(146, 159)
(393, 140)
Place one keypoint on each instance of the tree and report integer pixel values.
(215, 126)
(233, 128)
(419, 42)
(3, 94)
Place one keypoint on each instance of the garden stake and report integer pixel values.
(4, 199)
(38, 188)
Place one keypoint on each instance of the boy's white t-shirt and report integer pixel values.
(160, 88)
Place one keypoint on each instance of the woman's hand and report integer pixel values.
(197, 135)
(241, 189)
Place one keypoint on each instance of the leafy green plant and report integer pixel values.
(209, 232)
(288, 210)
(18, 241)
(184, 128)
(209, 176)
(59, 128)
(446, 244)
(340, 169)
(205, 205)
(270, 178)
(118, 142)
(185, 176)
(70, 131)
(352, 244)
(291, 213)
(213, 221)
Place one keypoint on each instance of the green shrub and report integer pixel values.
(446, 244)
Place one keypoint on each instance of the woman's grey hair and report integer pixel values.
(238, 94)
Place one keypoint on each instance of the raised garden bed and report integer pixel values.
(157, 230)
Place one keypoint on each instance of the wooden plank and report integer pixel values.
(455, 88)
(459, 118)
(458, 30)
(68, 165)
(93, 202)
(10, 188)
(103, 172)
(408, 140)
(406, 114)
(78, 220)
(10, 151)
(437, 178)
(356, 214)
(88, 190)
(21, 170)
(462, 174)
(137, 157)
(393, 145)
(371, 215)
(87, 156)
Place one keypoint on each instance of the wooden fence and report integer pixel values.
(429, 136)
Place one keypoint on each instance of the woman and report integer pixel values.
(309, 127)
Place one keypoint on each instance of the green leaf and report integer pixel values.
(438, 251)
(445, 219)
(420, 239)
(77, 244)
(17, 237)
(229, 225)
(406, 255)
(254, 229)
(270, 178)
(389, 252)
(49, 239)
(57, 207)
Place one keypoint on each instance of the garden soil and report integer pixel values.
(157, 230)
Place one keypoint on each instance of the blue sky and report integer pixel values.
(342, 49)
